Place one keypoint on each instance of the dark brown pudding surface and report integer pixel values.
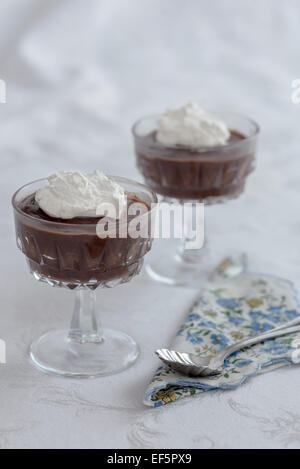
(186, 173)
(32, 208)
(70, 251)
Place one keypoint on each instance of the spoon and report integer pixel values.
(195, 365)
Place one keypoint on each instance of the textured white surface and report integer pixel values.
(78, 74)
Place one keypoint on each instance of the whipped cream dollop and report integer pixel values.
(74, 194)
(191, 126)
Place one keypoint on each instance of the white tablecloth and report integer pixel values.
(78, 73)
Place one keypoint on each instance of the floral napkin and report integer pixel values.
(224, 313)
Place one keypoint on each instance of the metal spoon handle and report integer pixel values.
(277, 332)
(240, 343)
(294, 322)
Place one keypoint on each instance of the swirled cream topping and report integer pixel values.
(191, 126)
(74, 194)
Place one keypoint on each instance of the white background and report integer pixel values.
(78, 73)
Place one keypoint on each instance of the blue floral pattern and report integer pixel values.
(219, 339)
(236, 321)
(194, 337)
(227, 303)
(245, 306)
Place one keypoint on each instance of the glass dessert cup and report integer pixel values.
(207, 175)
(73, 256)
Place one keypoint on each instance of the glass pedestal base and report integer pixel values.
(192, 268)
(55, 353)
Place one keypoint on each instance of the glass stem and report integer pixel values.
(85, 325)
(193, 245)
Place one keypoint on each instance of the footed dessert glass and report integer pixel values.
(183, 175)
(73, 256)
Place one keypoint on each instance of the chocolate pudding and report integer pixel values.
(195, 174)
(70, 253)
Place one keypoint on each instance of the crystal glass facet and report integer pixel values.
(74, 257)
(184, 175)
